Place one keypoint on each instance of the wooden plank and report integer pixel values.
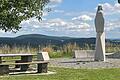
(12, 55)
(34, 62)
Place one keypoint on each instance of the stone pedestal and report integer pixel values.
(42, 56)
(100, 47)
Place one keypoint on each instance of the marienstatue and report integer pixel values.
(100, 38)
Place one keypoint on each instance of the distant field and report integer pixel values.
(72, 74)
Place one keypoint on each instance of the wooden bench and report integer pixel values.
(41, 66)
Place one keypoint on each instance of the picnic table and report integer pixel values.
(26, 60)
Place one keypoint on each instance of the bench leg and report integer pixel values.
(4, 69)
(42, 68)
(24, 67)
(17, 66)
(0, 60)
(25, 59)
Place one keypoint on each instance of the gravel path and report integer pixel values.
(84, 63)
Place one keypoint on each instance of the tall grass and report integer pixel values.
(55, 51)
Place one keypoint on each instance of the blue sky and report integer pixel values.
(73, 18)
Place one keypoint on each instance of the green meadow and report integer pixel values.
(70, 74)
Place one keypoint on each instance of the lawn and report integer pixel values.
(71, 74)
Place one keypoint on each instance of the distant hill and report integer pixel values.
(38, 39)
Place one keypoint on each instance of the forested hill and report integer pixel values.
(38, 39)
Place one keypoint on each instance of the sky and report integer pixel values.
(73, 18)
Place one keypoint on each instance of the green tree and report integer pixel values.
(12, 12)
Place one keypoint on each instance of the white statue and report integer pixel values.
(100, 39)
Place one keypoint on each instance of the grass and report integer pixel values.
(72, 74)
(60, 55)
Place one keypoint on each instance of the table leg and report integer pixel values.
(0, 59)
(42, 68)
(25, 59)
(17, 61)
(4, 69)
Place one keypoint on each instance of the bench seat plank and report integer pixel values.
(34, 62)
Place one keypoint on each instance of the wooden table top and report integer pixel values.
(12, 55)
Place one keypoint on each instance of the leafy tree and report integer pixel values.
(12, 12)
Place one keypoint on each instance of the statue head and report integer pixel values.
(99, 8)
(99, 20)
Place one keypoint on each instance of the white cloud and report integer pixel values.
(111, 9)
(59, 11)
(83, 18)
(107, 6)
(45, 13)
(62, 25)
(112, 25)
(79, 27)
(56, 1)
(56, 24)
(1, 31)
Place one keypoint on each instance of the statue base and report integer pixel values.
(100, 47)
